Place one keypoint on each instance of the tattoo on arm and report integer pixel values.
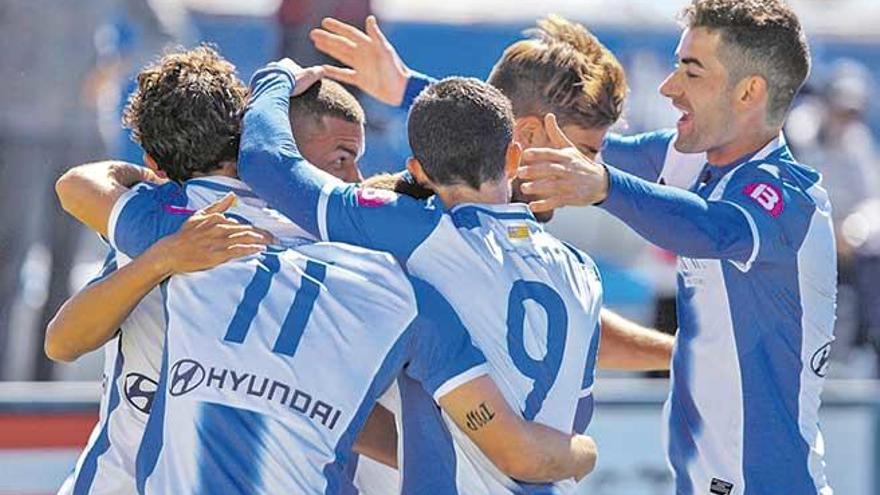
(479, 417)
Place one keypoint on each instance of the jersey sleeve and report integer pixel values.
(678, 220)
(376, 219)
(109, 267)
(642, 155)
(768, 205)
(145, 214)
(416, 83)
(270, 162)
(442, 356)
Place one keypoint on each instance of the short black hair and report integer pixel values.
(759, 37)
(186, 112)
(326, 98)
(459, 130)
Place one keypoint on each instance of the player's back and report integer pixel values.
(271, 365)
(531, 304)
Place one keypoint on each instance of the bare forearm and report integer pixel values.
(88, 192)
(91, 317)
(626, 345)
(378, 438)
(554, 456)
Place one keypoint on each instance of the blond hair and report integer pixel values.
(562, 68)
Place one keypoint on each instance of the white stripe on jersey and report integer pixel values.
(486, 253)
(681, 170)
(110, 463)
(817, 311)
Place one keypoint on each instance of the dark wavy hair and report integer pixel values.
(186, 112)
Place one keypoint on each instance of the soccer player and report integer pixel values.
(343, 308)
(122, 310)
(563, 69)
(757, 272)
(539, 300)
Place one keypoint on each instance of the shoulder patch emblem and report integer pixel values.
(371, 198)
(767, 196)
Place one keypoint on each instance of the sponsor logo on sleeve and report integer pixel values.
(373, 198)
(140, 391)
(767, 196)
(819, 362)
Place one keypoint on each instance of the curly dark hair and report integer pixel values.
(186, 112)
(459, 130)
(759, 37)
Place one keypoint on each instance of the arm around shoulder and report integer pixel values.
(523, 450)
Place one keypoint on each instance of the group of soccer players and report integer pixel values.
(268, 340)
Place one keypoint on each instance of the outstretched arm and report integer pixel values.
(269, 160)
(628, 346)
(271, 164)
(676, 220)
(523, 450)
(92, 316)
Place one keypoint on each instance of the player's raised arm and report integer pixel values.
(271, 164)
(88, 192)
(526, 451)
(373, 65)
(674, 219)
(92, 316)
(268, 159)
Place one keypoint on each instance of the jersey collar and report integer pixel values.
(222, 184)
(776, 148)
(467, 213)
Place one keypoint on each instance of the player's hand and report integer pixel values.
(304, 77)
(561, 177)
(373, 64)
(208, 238)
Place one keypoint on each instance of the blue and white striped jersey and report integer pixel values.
(652, 156)
(133, 358)
(273, 362)
(131, 374)
(756, 299)
(529, 302)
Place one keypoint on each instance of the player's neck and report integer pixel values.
(748, 143)
(227, 169)
(489, 193)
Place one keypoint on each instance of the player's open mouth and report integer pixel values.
(685, 122)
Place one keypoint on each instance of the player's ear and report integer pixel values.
(415, 169)
(512, 159)
(529, 131)
(751, 92)
(152, 165)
